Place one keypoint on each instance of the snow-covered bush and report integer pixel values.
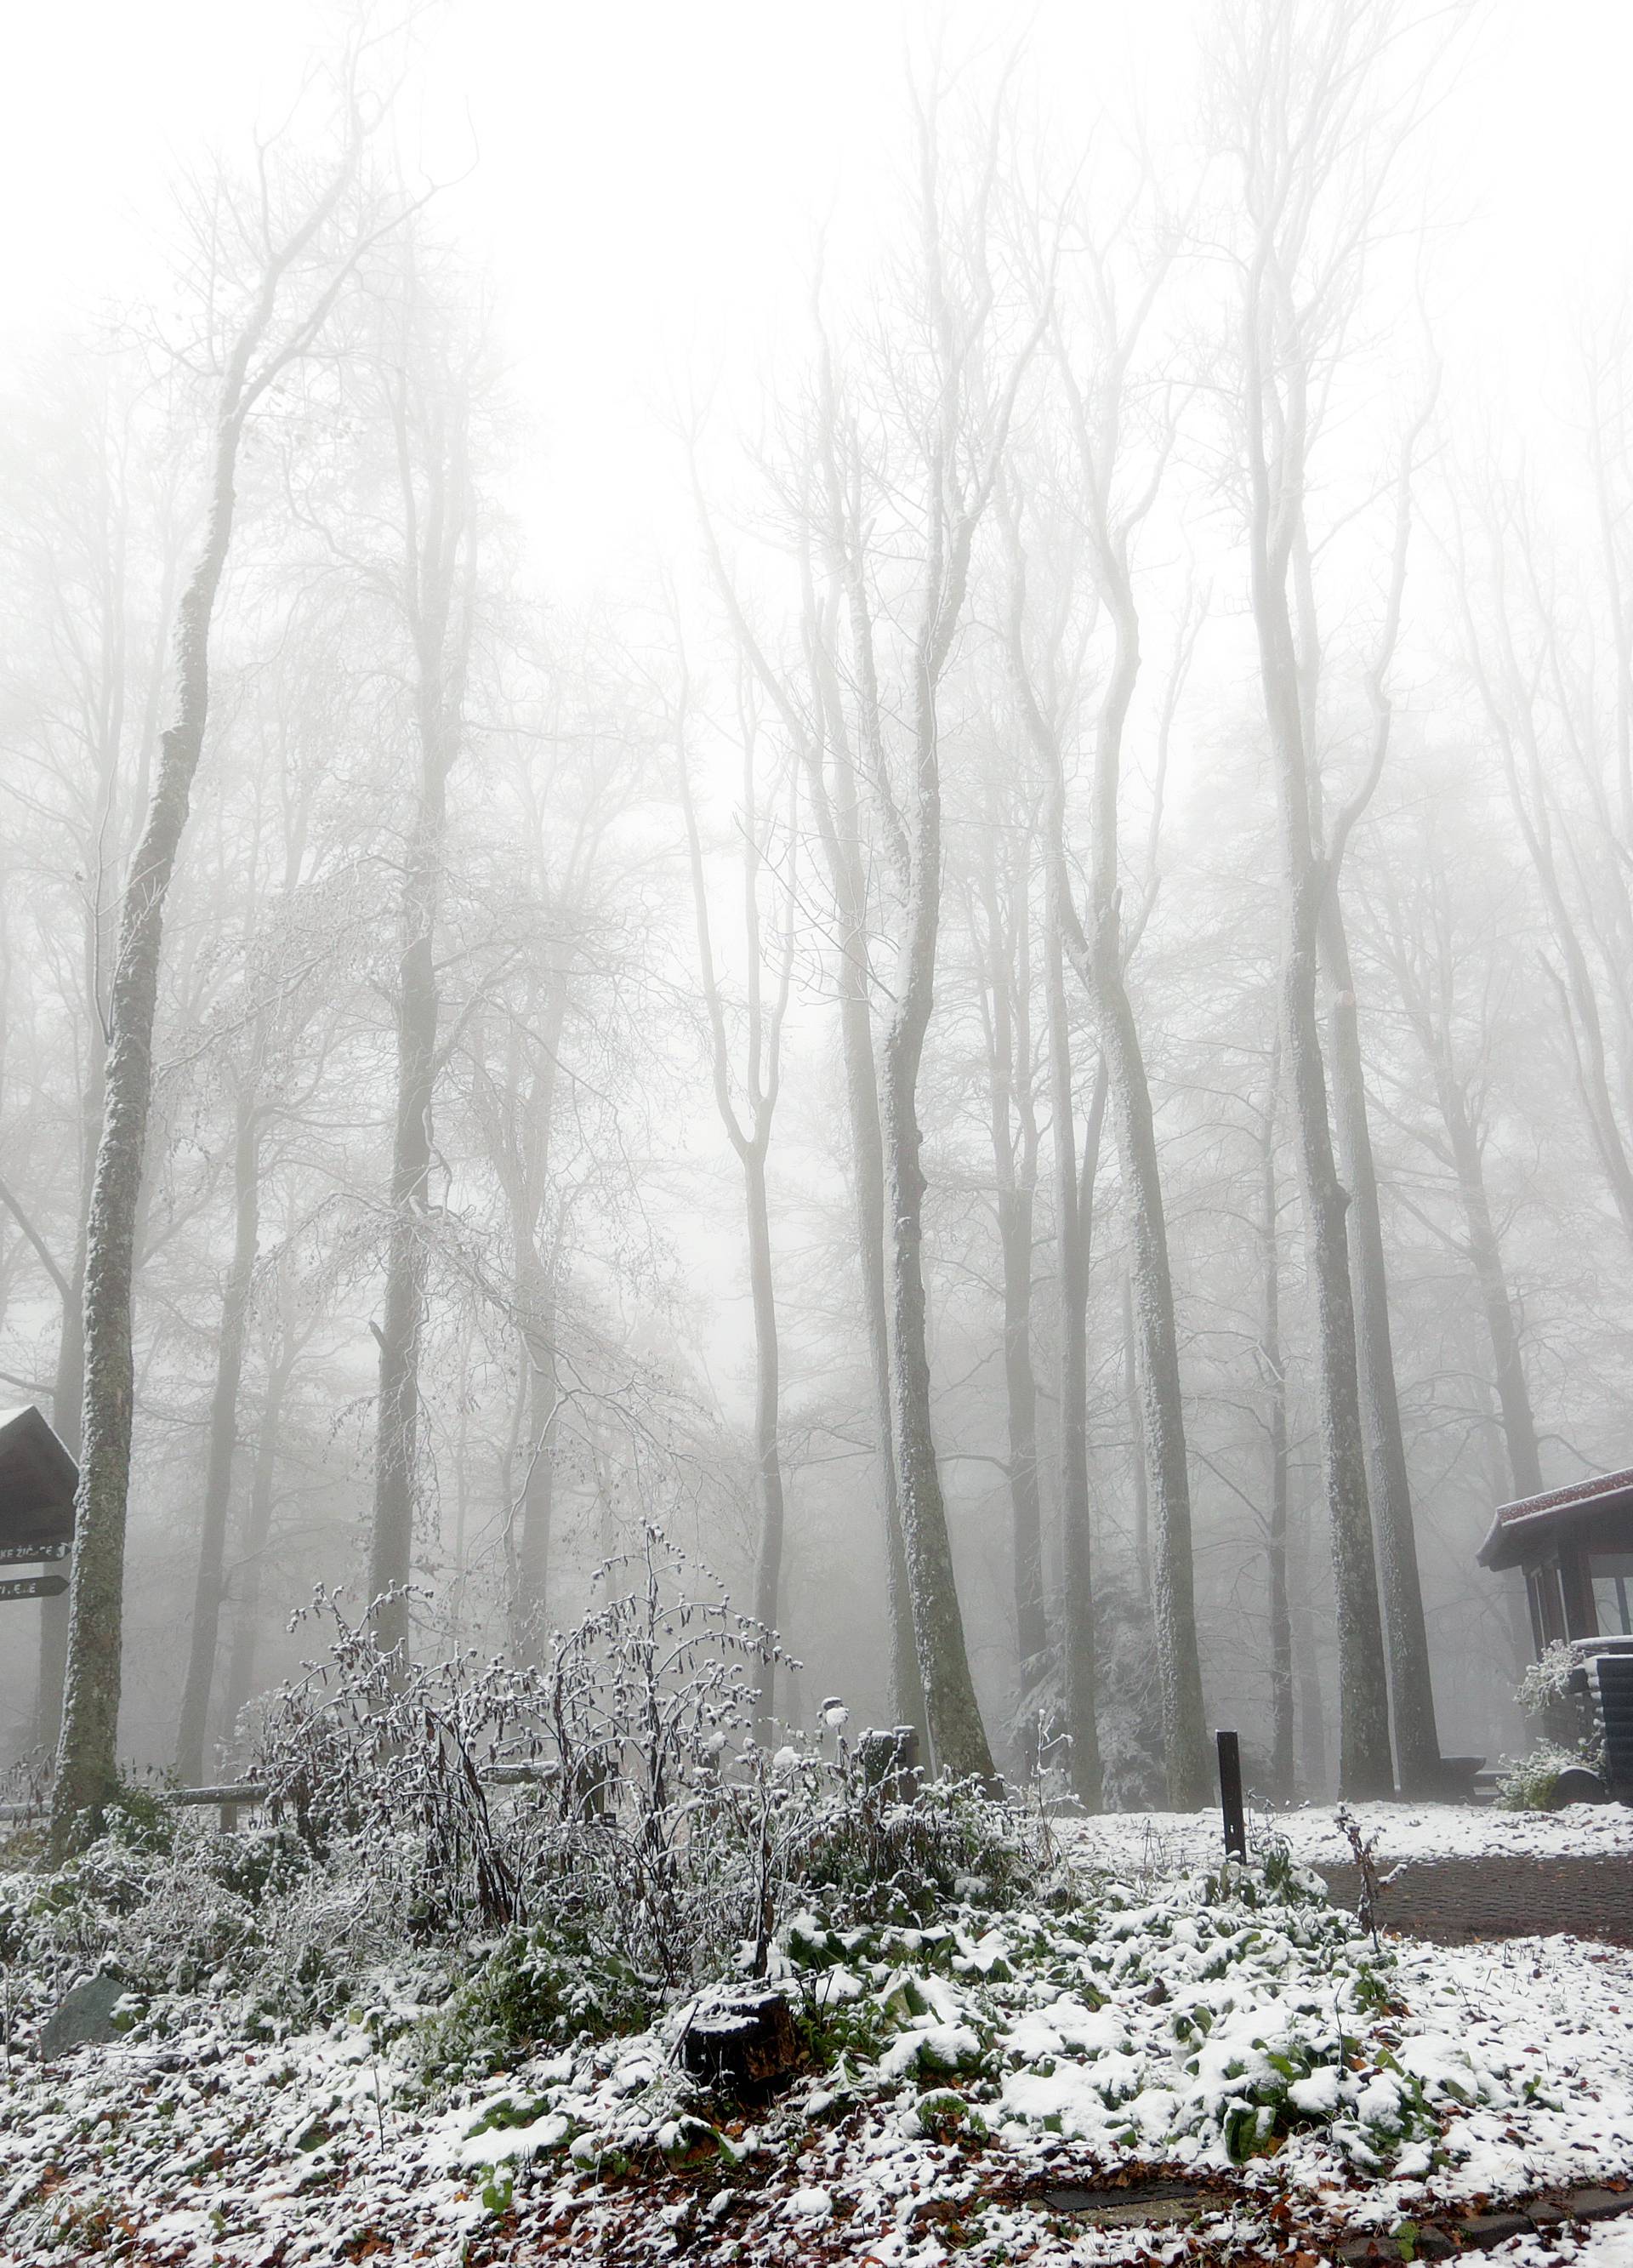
(1532, 1782)
(1545, 1684)
(171, 1908)
(536, 1855)
(538, 1988)
(1552, 1692)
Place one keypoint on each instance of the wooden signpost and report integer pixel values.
(33, 1586)
(1231, 1796)
(11, 1553)
(38, 1479)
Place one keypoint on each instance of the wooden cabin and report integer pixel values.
(1576, 1547)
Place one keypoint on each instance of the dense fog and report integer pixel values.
(877, 804)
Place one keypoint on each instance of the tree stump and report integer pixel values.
(745, 2043)
(890, 1760)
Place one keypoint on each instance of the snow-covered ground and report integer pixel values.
(1218, 2027)
(1157, 1843)
(1608, 2247)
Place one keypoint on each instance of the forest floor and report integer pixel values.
(1190, 2065)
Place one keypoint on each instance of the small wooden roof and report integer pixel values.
(38, 1478)
(1523, 1529)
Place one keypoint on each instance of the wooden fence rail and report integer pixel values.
(234, 1795)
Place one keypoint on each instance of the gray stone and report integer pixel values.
(1154, 2202)
(1483, 2230)
(1159, 2213)
(1597, 2204)
(83, 2017)
(1428, 2245)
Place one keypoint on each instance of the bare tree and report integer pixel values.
(286, 1334)
(746, 1103)
(962, 437)
(428, 377)
(1525, 631)
(994, 885)
(1423, 933)
(1296, 92)
(83, 551)
(1273, 1363)
(297, 244)
(1114, 499)
(1416, 1742)
(819, 729)
(938, 460)
(1044, 672)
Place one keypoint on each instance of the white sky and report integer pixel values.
(652, 174)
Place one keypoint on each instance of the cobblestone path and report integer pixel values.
(1456, 1901)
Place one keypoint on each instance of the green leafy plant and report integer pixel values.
(1532, 1782)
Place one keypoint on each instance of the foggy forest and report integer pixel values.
(816, 853)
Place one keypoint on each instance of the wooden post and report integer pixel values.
(1231, 1795)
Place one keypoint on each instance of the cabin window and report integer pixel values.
(1611, 1573)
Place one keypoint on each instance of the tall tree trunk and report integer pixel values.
(1020, 1390)
(1417, 1742)
(1364, 1763)
(749, 1133)
(524, 1629)
(837, 828)
(1100, 962)
(533, 1559)
(1002, 931)
(1073, 1192)
(1172, 1577)
(1078, 1650)
(767, 1456)
(958, 440)
(1365, 1766)
(1139, 1492)
(87, 1766)
(1311, 1716)
(1291, 88)
(459, 1584)
(1280, 1616)
(96, 947)
(257, 1535)
(822, 741)
(396, 1456)
(224, 1424)
(529, 1119)
(1513, 1392)
(956, 1731)
(906, 1686)
(87, 1769)
(429, 413)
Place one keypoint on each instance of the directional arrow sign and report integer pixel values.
(11, 1553)
(33, 1586)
